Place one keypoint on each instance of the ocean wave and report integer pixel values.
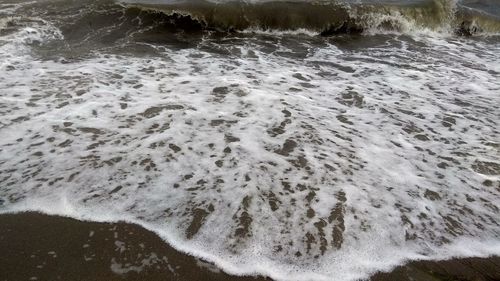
(325, 18)
(302, 160)
(104, 22)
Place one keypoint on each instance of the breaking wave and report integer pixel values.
(346, 161)
(325, 18)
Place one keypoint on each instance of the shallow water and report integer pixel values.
(267, 151)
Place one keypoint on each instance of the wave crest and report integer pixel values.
(331, 18)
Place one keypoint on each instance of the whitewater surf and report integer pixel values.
(299, 140)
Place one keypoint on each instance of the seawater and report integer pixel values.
(260, 145)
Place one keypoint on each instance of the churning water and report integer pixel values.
(299, 140)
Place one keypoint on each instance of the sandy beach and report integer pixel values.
(42, 247)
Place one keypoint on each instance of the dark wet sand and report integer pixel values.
(34, 246)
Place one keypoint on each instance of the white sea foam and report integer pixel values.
(312, 163)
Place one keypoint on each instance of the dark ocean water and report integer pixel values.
(301, 140)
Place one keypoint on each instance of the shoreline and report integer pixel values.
(36, 246)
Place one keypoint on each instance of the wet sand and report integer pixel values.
(35, 246)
